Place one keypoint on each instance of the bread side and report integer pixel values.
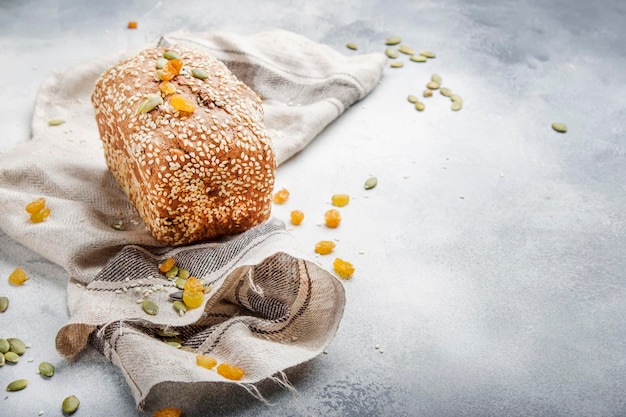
(191, 176)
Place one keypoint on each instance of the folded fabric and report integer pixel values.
(269, 307)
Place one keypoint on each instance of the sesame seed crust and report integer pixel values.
(191, 176)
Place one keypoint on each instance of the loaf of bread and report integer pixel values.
(185, 140)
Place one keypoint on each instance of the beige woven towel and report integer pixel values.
(270, 308)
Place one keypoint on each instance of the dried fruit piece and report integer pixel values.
(205, 361)
(166, 265)
(171, 69)
(40, 216)
(324, 247)
(132, 25)
(167, 87)
(193, 292)
(167, 412)
(340, 200)
(36, 205)
(280, 197)
(182, 103)
(332, 218)
(296, 217)
(343, 268)
(18, 277)
(230, 371)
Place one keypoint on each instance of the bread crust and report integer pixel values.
(191, 176)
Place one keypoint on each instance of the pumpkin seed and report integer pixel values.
(151, 102)
(176, 295)
(370, 183)
(173, 272)
(174, 344)
(180, 306)
(180, 283)
(167, 332)
(160, 75)
(405, 49)
(2, 360)
(169, 55)
(183, 273)
(70, 404)
(436, 78)
(392, 53)
(4, 304)
(4, 346)
(160, 63)
(412, 99)
(456, 105)
(396, 64)
(428, 54)
(17, 385)
(432, 85)
(394, 40)
(199, 73)
(55, 122)
(150, 307)
(46, 369)
(445, 92)
(428, 93)
(456, 97)
(418, 58)
(352, 46)
(559, 127)
(16, 345)
(11, 357)
(419, 106)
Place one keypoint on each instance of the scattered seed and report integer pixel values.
(183, 273)
(352, 46)
(169, 55)
(405, 49)
(17, 385)
(396, 64)
(436, 78)
(70, 404)
(4, 346)
(199, 73)
(456, 106)
(428, 93)
(173, 272)
(394, 40)
(46, 369)
(16, 346)
(428, 54)
(412, 99)
(432, 85)
(179, 306)
(167, 333)
(11, 357)
(174, 344)
(419, 106)
(445, 92)
(176, 296)
(456, 97)
(119, 225)
(2, 360)
(55, 122)
(418, 58)
(4, 304)
(370, 183)
(392, 53)
(180, 283)
(559, 127)
(160, 63)
(150, 307)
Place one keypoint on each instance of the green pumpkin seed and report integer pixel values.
(160, 75)
(456, 105)
(180, 283)
(173, 272)
(436, 78)
(445, 92)
(160, 63)
(4, 346)
(70, 404)
(169, 55)
(419, 106)
(418, 58)
(150, 307)
(428, 93)
(4, 304)
(183, 273)
(455, 98)
(352, 46)
(394, 40)
(199, 73)
(17, 346)
(167, 333)
(405, 49)
(412, 99)
(370, 183)
(428, 54)
(17, 385)
(396, 64)
(55, 122)
(2, 360)
(151, 102)
(11, 357)
(432, 85)
(46, 369)
(179, 306)
(174, 344)
(392, 53)
(559, 127)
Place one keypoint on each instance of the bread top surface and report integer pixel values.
(191, 176)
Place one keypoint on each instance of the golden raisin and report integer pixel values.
(132, 25)
(171, 69)
(340, 200)
(181, 103)
(166, 265)
(167, 87)
(18, 277)
(332, 218)
(193, 292)
(280, 197)
(343, 268)
(324, 247)
(205, 361)
(40, 216)
(167, 412)
(230, 371)
(296, 217)
(36, 205)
